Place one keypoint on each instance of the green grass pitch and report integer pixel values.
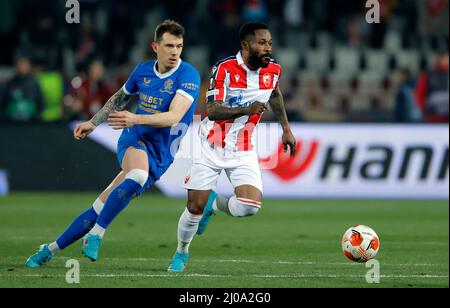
(288, 244)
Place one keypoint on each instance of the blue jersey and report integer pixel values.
(156, 92)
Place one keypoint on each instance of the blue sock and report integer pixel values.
(118, 201)
(79, 228)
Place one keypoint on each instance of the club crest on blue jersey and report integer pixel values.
(168, 87)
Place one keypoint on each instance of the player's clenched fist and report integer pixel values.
(256, 108)
(83, 130)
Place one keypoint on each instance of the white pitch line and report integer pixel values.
(279, 262)
(262, 276)
(246, 261)
(272, 262)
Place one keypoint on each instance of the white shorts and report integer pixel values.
(242, 168)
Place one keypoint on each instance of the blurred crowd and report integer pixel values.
(337, 67)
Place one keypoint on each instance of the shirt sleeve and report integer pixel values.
(131, 86)
(189, 85)
(280, 73)
(217, 88)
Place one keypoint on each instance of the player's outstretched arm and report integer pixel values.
(178, 108)
(217, 112)
(277, 104)
(116, 103)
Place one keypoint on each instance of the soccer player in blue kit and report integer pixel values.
(168, 90)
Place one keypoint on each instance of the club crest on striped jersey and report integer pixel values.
(267, 80)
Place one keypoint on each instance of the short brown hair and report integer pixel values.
(169, 26)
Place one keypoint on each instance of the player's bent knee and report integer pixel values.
(138, 175)
(244, 207)
(195, 208)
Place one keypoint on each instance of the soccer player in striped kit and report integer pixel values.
(241, 89)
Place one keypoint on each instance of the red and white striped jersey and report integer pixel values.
(237, 86)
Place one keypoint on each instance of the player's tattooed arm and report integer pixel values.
(277, 104)
(217, 112)
(116, 103)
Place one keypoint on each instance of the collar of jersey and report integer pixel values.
(167, 74)
(241, 62)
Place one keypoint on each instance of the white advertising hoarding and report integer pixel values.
(333, 161)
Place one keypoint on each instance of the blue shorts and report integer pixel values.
(130, 138)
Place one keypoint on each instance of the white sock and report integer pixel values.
(187, 227)
(54, 248)
(221, 204)
(214, 206)
(98, 230)
(240, 207)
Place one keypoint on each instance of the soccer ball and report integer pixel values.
(360, 243)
